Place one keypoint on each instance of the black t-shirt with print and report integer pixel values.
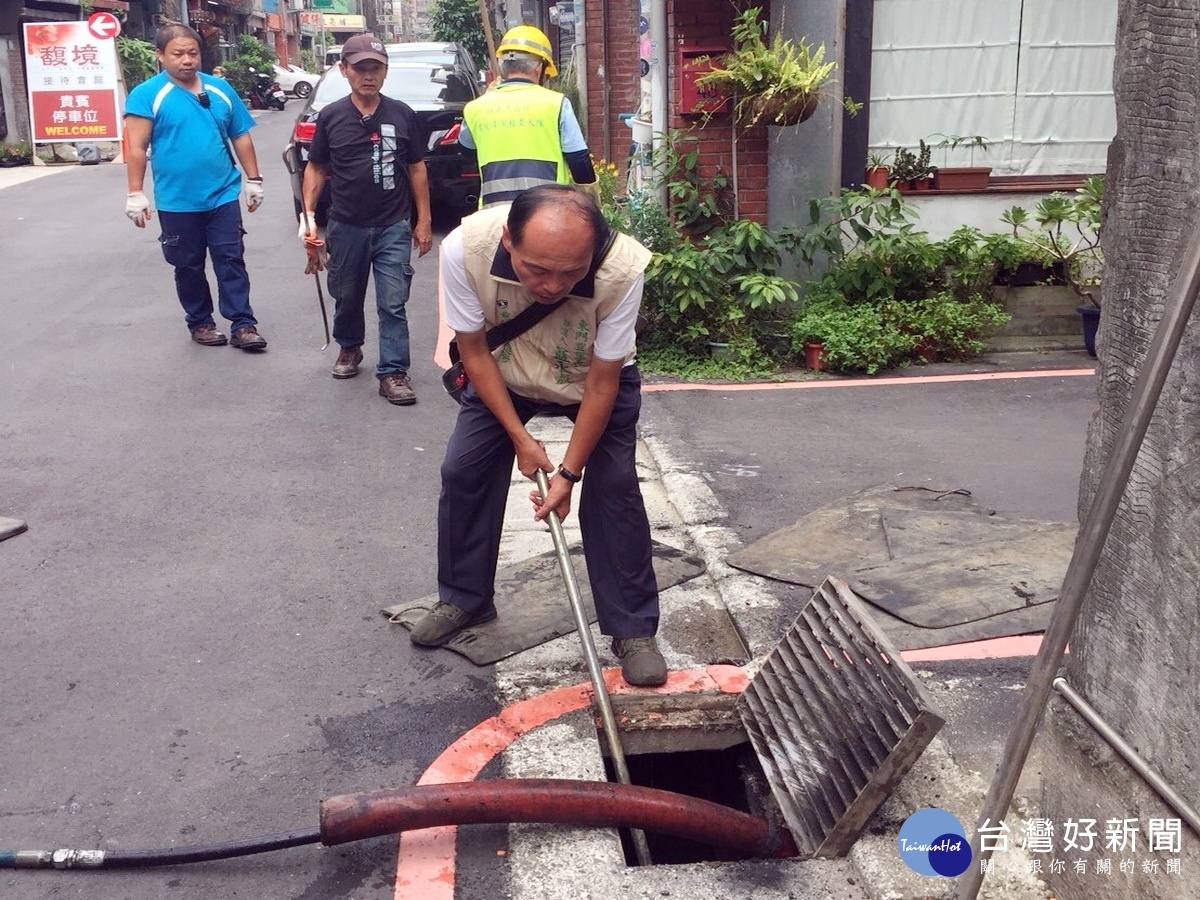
(368, 160)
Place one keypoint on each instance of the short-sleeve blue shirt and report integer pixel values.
(191, 168)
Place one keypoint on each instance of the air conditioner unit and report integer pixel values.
(295, 5)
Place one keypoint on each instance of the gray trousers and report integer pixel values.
(476, 474)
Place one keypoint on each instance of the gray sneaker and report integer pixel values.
(397, 390)
(444, 621)
(641, 663)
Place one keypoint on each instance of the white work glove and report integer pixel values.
(254, 194)
(308, 225)
(137, 208)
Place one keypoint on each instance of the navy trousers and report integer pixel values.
(186, 239)
(476, 474)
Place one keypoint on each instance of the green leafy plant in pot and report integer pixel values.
(962, 178)
(1066, 228)
(877, 170)
(779, 82)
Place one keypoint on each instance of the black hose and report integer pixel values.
(166, 856)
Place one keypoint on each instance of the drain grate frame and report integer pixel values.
(837, 719)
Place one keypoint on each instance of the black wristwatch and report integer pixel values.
(569, 475)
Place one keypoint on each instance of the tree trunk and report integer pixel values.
(1134, 655)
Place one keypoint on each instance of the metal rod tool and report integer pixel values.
(607, 719)
(317, 256)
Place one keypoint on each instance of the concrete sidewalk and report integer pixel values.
(555, 862)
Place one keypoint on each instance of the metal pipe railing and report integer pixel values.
(1126, 751)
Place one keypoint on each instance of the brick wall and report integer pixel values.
(613, 81)
(18, 113)
(705, 22)
(708, 22)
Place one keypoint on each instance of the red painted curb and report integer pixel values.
(425, 865)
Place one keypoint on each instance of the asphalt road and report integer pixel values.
(773, 456)
(192, 650)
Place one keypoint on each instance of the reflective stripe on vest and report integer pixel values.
(503, 180)
(515, 130)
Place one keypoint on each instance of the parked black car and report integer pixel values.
(437, 87)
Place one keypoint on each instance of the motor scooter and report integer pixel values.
(266, 93)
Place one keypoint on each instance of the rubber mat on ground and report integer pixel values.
(11, 527)
(532, 604)
(935, 559)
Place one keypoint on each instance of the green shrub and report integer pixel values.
(856, 337)
(867, 337)
(252, 54)
(945, 327)
(137, 58)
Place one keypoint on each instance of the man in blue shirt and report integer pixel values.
(191, 120)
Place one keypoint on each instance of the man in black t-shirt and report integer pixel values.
(370, 146)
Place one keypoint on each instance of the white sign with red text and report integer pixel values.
(73, 78)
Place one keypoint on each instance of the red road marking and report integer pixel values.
(993, 648)
(425, 867)
(868, 382)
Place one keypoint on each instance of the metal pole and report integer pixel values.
(1092, 535)
(607, 719)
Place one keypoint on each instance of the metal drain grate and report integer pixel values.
(837, 719)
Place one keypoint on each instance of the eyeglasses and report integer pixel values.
(204, 99)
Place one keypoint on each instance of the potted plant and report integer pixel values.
(773, 83)
(1020, 264)
(1067, 230)
(913, 171)
(877, 171)
(16, 154)
(962, 178)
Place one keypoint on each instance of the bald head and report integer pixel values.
(558, 202)
(552, 234)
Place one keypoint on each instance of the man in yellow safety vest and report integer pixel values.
(523, 133)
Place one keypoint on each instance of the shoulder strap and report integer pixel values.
(521, 322)
(535, 312)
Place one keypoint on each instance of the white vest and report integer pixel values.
(550, 361)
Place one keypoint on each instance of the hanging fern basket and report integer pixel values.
(782, 110)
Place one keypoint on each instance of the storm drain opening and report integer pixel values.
(693, 745)
(834, 718)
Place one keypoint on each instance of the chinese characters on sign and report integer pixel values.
(1111, 846)
(73, 78)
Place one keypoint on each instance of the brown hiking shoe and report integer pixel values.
(397, 389)
(248, 338)
(641, 663)
(446, 620)
(208, 336)
(347, 362)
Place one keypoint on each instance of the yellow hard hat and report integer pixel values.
(531, 40)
